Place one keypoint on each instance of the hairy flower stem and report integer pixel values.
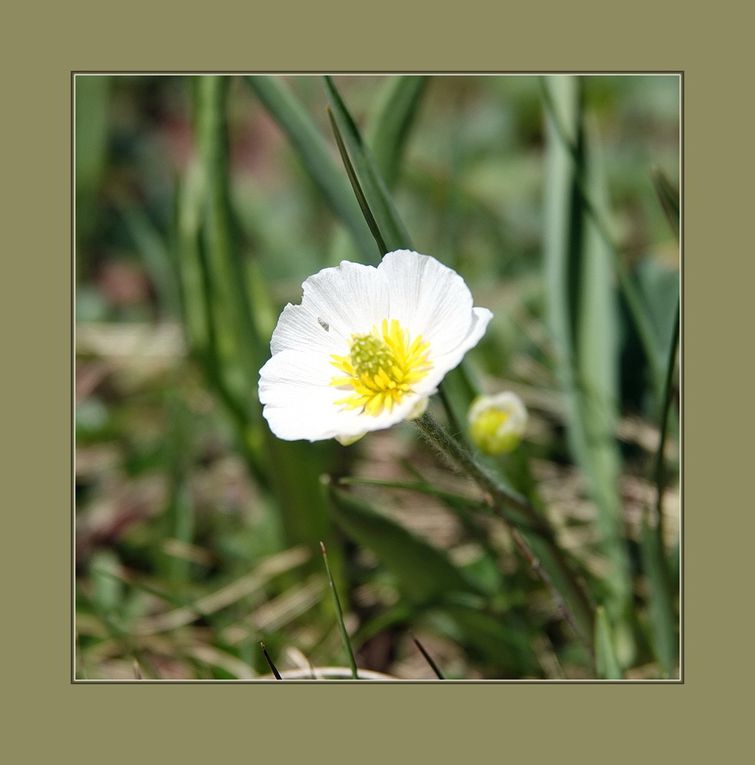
(531, 531)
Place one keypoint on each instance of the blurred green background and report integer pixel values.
(202, 203)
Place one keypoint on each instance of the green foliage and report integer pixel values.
(583, 322)
(202, 203)
(424, 572)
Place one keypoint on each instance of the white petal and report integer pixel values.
(299, 403)
(347, 299)
(300, 329)
(428, 298)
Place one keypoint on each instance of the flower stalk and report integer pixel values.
(531, 531)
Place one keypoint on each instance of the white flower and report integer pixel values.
(497, 423)
(366, 347)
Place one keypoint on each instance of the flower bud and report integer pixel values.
(497, 423)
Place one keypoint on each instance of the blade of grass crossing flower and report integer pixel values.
(389, 231)
(313, 153)
(388, 132)
(339, 615)
(582, 318)
(605, 654)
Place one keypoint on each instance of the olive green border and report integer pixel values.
(50, 717)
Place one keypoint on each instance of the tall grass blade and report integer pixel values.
(606, 661)
(156, 255)
(663, 612)
(669, 198)
(429, 659)
(566, 134)
(393, 233)
(388, 132)
(270, 663)
(315, 158)
(339, 615)
(357, 188)
(392, 118)
(662, 608)
(582, 319)
(390, 232)
(180, 509)
(238, 337)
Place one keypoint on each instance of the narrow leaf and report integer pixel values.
(339, 615)
(669, 198)
(388, 132)
(605, 654)
(356, 187)
(270, 663)
(662, 609)
(583, 323)
(313, 153)
(429, 659)
(392, 230)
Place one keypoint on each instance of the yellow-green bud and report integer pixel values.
(497, 423)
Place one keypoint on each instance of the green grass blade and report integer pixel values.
(388, 132)
(270, 663)
(457, 390)
(393, 234)
(605, 654)
(669, 198)
(582, 318)
(180, 516)
(187, 227)
(564, 133)
(393, 116)
(155, 254)
(239, 338)
(313, 152)
(425, 573)
(339, 615)
(418, 486)
(662, 609)
(357, 188)
(429, 659)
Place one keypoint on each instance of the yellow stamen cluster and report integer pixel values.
(381, 368)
